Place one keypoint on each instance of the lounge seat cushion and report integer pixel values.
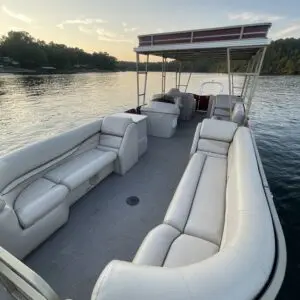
(115, 126)
(218, 130)
(165, 246)
(81, 168)
(222, 112)
(198, 206)
(212, 146)
(187, 250)
(154, 249)
(37, 200)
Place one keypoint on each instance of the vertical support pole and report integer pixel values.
(229, 80)
(260, 61)
(187, 84)
(163, 76)
(246, 77)
(146, 77)
(251, 70)
(179, 75)
(137, 78)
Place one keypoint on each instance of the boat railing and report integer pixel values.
(219, 84)
(20, 281)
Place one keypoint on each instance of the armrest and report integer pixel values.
(14, 275)
(218, 130)
(195, 140)
(124, 280)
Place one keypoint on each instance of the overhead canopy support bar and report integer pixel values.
(141, 95)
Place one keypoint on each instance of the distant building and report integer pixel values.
(7, 61)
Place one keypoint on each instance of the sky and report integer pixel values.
(113, 25)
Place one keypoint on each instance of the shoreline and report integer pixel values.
(22, 71)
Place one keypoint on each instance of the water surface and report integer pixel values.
(36, 107)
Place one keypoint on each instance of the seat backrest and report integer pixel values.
(112, 131)
(18, 163)
(248, 222)
(120, 135)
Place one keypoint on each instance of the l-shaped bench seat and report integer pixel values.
(217, 238)
(39, 183)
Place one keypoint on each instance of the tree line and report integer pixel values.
(282, 57)
(31, 53)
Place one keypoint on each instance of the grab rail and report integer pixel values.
(21, 282)
(220, 84)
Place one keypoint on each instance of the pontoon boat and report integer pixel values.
(174, 201)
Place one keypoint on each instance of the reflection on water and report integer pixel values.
(34, 107)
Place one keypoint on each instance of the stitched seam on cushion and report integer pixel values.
(169, 248)
(210, 152)
(192, 204)
(201, 238)
(216, 140)
(72, 151)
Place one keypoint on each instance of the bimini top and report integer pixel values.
(243, 40)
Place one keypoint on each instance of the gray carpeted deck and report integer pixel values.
(103, 227)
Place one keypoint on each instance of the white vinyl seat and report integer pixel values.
(162, 118)
(193, 225)
(37, 200)
(217, 238)
(186, 103)
(81, 168)
(40, 182)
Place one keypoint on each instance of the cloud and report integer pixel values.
(290, 31)
(15, 15)
(253, 17)
(108, 36)
(86, 21)
(13, 28)
(133, 29)
(159, 30)
(128, 29)
(85, 30)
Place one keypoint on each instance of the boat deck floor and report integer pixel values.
(103, 227)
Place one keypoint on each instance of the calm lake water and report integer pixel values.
(36, 107)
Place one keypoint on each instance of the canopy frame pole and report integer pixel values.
(249, 75)
(229, 81)
(138, 78)
(163, 76)
(246, 77)
(258, 68)
(138, 73)
(146, 79)
(188, 81)
(178, 75)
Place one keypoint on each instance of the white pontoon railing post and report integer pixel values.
(188, 81)
(229, 80)
(178, 76)
(138, 73)
(163, 76)
(246, 77)
(260, 60)
(138, 78)
(146, 78)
